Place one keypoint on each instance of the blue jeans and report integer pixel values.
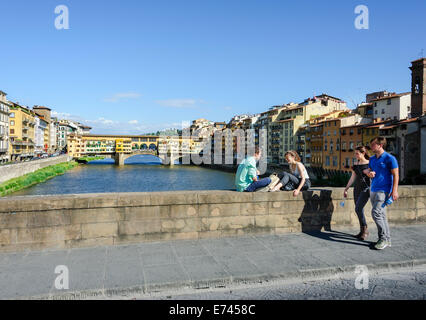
(379, 214)
(258, 184)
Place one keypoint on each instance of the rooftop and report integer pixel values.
(392, 96)
(42, 108)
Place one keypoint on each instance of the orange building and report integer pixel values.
(351, 137)
(331, 144)
(314, 141)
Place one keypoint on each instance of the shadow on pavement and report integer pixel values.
(317, 214)
(339, 237)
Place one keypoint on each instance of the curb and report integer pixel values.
(287, 277)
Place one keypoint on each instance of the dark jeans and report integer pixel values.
(291, 182)
(361, 198)
(258, 184)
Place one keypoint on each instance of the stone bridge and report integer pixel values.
(84, 220)
(119, 158)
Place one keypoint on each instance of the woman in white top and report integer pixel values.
(297, 180)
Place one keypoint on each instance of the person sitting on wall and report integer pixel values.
(297, 180)
(246, 179)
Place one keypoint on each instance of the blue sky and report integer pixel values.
(138, 66)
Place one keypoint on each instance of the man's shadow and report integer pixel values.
(316, 215)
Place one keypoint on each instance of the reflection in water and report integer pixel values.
(140, 174)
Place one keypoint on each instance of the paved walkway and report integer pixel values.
(145, 268)
(393, 285)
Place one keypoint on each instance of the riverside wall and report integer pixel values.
(83, 220)
(16, 170)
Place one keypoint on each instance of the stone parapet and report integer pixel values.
(80, 220)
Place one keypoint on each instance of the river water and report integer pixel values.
(139, 174)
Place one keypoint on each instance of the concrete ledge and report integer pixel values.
(81, 220)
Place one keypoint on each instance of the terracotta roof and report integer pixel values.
(118, 136)
(42, 107)
(287, 120)
(389, 127)
(327, 95)
(409, 120)
(393, 96)
(418, 60)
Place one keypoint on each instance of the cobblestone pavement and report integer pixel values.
(402, 285)
(144, 268)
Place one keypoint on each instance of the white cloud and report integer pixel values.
(179, 103)
(101, 121)
(133, 122)
(122, 96)
(61, 115)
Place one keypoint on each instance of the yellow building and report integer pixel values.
(21, 130)
(81, 145)
(123, 145)
(371, 131)
(285, 133)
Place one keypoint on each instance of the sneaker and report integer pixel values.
(389, 243)
(381, 244)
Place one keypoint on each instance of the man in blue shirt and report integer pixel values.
(246, 177)
(384, 172)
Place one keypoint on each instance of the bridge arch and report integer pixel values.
(152, 146)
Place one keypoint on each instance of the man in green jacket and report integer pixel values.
(246, 179)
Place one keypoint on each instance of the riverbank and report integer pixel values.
(35, 177)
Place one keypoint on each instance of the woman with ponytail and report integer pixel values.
(297, 180)
(361, 188)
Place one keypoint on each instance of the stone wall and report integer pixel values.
(15, 170)
(66, 221)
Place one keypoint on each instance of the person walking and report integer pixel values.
(246, 179)
(297, 180)
(361, 188)
(384, 172)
